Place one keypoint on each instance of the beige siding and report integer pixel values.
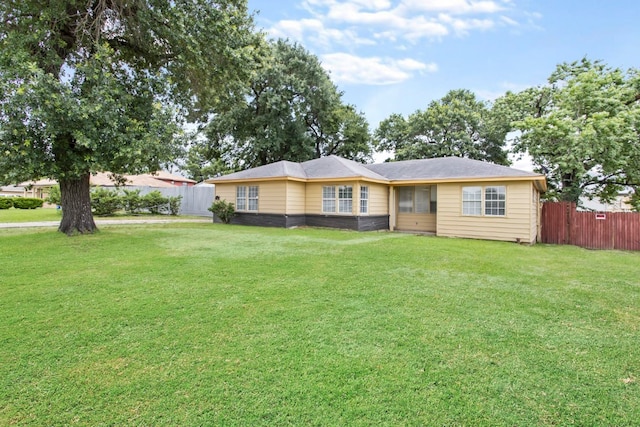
(378, 198)
(313, 198)
(271, 195)
(534, 212)
(415, 222)
(296, 195)
(226, 192)
(516, 225)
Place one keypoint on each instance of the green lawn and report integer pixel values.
(30, 215)
(52, 214)
(207, 324)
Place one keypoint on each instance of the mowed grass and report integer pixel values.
(207, 324)
(30, 215)
(52, 214)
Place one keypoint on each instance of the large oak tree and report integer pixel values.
(97, 85)
(291, 110)
(582, 129)
(457, 125)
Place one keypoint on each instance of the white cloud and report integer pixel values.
(346, 25)
(457, 7)
(358, 22)
(313, 30)
(347, 68)
(295, 29)
(509, 21)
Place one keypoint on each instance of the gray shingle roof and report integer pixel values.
(444, 168)
(338, 167)
(279, 169)
(324, 167)
(334, 167)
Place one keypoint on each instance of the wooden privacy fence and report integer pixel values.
(562, 224)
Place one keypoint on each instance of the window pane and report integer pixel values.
(345, 206)
(472, 201)
(422, 199)
(253, 198)
(328, 192)
(495, 201)
(345, 193)
(329, 199)
(364, 199)
(434, 199)
(328, 206)
(241, 198)
(405, 199)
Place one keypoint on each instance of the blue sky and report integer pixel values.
(396, 56)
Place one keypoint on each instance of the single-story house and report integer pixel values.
(445, 196)
(40, 188)
(11, 191)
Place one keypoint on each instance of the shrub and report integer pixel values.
(155, 202)
(105, 202)
(6, 203)
(27, 203)
(174, 205)
(132, 201)
(54, 195)
(223, 210)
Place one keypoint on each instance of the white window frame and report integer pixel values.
(252, 198)
(329, 198)
(247, 198)
(364, 199)
(338, 200)
(472, 201)
(490, 201)
(241, 198)
(495, 200)
(345, 199)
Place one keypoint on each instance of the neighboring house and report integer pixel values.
(173, 179)
(621, 203)
(446, 196)
(40, 188)
(11, 191)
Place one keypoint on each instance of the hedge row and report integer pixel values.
(20, 202)
(107, 202)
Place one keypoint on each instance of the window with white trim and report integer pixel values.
(495, 200)
(252, 200)
(241, 198)
(328, 199)
(472, 201)
(247, 198)
(487, 201)
(345, 199)
(341, 199)
(364, 199)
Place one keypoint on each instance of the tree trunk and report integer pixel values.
(75, 199)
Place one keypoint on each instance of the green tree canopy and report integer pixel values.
(457, 125)
(582, 129)
(102, 85)
(290, 111)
